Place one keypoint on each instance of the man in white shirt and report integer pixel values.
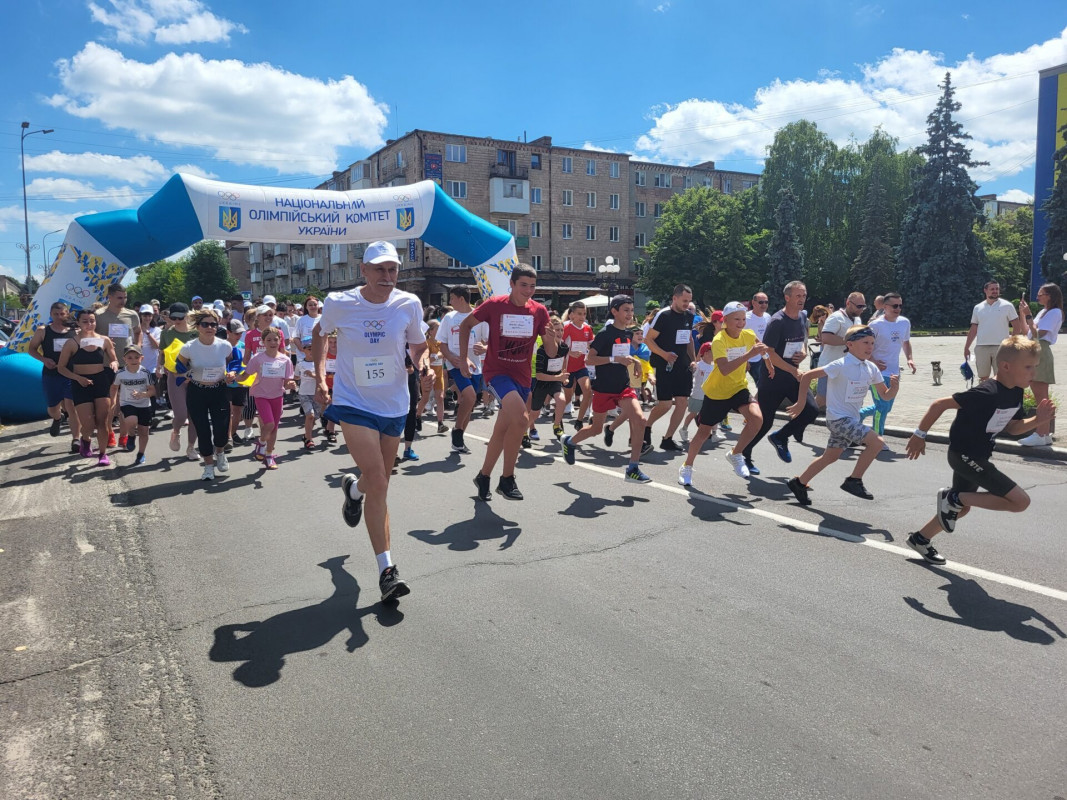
(992, 321)
(892, 334)
(756, 321)
(469, 388)
(833, 336)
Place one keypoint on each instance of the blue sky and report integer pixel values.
(285, 92)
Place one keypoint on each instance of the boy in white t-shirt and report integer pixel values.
(135, 392)
(305, 375)
(848, 380)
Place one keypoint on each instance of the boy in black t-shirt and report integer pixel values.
(549, 378)
(609, 352)
(982, 412)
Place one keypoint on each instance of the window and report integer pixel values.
(455, 263)
(535, 262)
(639, 178)
(728, 186)
(568, 164)
(513, 189)
(639, 209)
(507, 224)
(662, 180)
(590, 233)
(613, 202)
(613, 233)
(590, 265)
(535, 230)
(535, 161)
(590, 199)
(566, 230)
(747, 184)
(590, 166)
(707, 182)
(688, 182)
(614, 169)
(357, 172)
(567, 264)
(568, 197)
(535, 194)
(399, 159)
(456, 152)
(456, 189)
(639, 240)
(657, 210)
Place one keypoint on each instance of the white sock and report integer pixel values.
(354, 492)
(385, 560)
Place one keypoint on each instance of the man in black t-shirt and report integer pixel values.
(992, 406)
(670, 338)
(609, 352)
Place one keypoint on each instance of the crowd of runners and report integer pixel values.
(369, 362)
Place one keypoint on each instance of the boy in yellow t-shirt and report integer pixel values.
(726, 390)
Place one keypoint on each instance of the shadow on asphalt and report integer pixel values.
(466, 535)
(587, 506)
(976, 608)
(263, 645)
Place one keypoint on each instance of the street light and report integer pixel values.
(44, 251)
(25, 208)
(607, 271)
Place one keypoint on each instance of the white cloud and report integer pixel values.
(1016, 196)
(138, 170)
(598, 147)
(998, 95)
(253, 114)
(68, 190)
(167, 21)
(662, 8)
(11, 220)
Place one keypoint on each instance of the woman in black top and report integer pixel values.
(89, 360)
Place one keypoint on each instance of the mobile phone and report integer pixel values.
(1026, 296)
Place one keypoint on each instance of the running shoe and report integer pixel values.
(781, 447)
(799, 490)
(854, 486)
(228, 447)
(636, 475)
(488, 411)
(683, 437)
(75, 446)
(123, 440)
(886, 448)
(392, 587)
(526, 442)
(409, 455)
(85, 448)
(717, 437)
(442, 428)
(111, 438)
(557, 431)
(175, 441)
(577, 423)
(222, 464)
(685, 476)
(609, 436)
(725, 426)
(139, 461)
(568, 449)
(646, 448)
(947, 511)
(461, 448)
(418, 424)
(208, 474)
(738, 463)
(131, 443)
(103, 461)
(752, 468)
(667, 443)
(534, 435)
(506, 487)
(927, 551)
(269, 462)
(482, 482)
(237, 440)
(53, 429)
(191, 453)
(351, 510)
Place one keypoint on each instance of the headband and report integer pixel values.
(862, 333)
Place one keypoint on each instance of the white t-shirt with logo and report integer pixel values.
(889, 338)
(479, 333)
(700, 374)
(993, 321)
(848, 381)
(207, 362)
(837, 324)
(151, 354)
(130, 382)
(758, 325)
(304, 326)
(371, 338)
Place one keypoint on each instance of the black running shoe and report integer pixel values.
(527, 443)
(506, 487)
(352, 510)
(53, 429)
(854, 486)
(75, 447)
(482, 482)
(669, 444)
(609, 436)
(568, 450)
(799, 490)
(392, 587)
(927, 551)
(752, 468)
(947, 511)
(781, 447)
(577, 423)
(237, 440)
(646, 448)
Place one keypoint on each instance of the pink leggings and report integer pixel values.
(270, 410)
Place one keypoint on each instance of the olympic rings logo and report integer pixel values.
(376, 324)
(229, 197)
(78, 291)
(401, 198)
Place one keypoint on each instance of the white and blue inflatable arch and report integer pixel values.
(100, 248)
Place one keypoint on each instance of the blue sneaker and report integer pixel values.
(131, 443)
(534, 435)
(635, 474)
(568, 450)
(781, 447)
(409, 455)
(139, 461)
(752, 468)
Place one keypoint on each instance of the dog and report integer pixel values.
(938, 372)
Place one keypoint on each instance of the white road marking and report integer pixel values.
(781, 519)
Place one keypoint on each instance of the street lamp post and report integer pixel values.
(44, 251)
(607, 271)
(25, 207)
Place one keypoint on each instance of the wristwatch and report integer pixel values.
(919, 432)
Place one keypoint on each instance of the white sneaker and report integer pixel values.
(718, 436)
(685, 475)
(683, 436)
(222, 463)
(886, 448)
(1036, 440)
(738, 463)
(175, 441)
(208, 473)
(192, 453)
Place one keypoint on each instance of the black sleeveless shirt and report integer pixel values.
(49, 349)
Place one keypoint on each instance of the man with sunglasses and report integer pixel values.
(833, 335)
(892, 334)
(756, 321)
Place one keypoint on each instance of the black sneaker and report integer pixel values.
(228, 447)
(577, 423)
(237, 440)
(752, 468)
(418, 424)
(392, 587)
(799, 490)
(669, 444)
(646, 448)
(854, 486)
(527, 443)
(609, 436)
(568, 449)
(927, 551)
(351, 510)
(947, 511)
(781, 447)
(75, 446)
(482, 482)
(53, 429)
(506, 487)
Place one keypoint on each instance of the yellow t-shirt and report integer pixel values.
(719, 386)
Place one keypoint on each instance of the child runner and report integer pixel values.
(705, 365)
(238, 394)
(136, 391)
(274, 373)
(848, 380)
(549, 379)
(726, 390)
(577, 335)
(433, 384)
(470, 388)
(609, 353)
(640, 369)
(982, 412)
(305, 372)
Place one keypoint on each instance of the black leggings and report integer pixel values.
(413, 390)
(770, 397)
(209, 411)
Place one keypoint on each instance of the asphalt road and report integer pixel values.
(600, 639)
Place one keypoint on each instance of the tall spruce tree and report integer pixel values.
(940, 263)
(785, 253)
(1052, 264)
(873, 269)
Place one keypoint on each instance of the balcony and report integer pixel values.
(315, 264)
(522, 242)
(338, 254)
(509, 171)
(281, 270)
(509, 196)
(281, 249)
(255, 253)
(255, 276)
(392, 173)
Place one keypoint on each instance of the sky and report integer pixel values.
(283, 93)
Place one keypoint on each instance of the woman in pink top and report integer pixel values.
(274, 374)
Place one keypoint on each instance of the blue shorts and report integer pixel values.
(462, 383)
(502, 385)
(56, 389)
(576, 376)
(386, 426)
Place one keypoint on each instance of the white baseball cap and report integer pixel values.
(379, 253)
(733, 308)
(268, 299)
(146, 309)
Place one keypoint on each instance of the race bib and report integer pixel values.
(331, 365)
(93, 341)
(684, 336)
(1000, 419)
(555, 365)
(274, 369)
(733, 353)
(580, 348)
(116, 330)
(126, 392)
(856, 391)
(57, 344)
(373, 371)
(620, 351)
(791, 349)
(516, 325)
(212, 374)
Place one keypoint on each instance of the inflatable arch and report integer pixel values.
(100, 248)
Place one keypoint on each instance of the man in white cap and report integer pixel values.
(197, 302)
(374, 324)
(276, 321)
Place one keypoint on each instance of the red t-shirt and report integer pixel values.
(513, 332)
(254, 343)
(572, 334)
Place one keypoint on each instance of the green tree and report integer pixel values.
(785, 252)
(207, 272)
(940, 262)
(872, 270)
(1052, 263)
(13, 301)
(1008, 242)
(157, 281)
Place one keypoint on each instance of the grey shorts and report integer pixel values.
(695, 403)
(846, 432)
(985, 360)
(309, 406)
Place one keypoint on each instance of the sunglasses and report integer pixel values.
(894, 305)
(860, 305)
(762, 302)
(206, 324)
